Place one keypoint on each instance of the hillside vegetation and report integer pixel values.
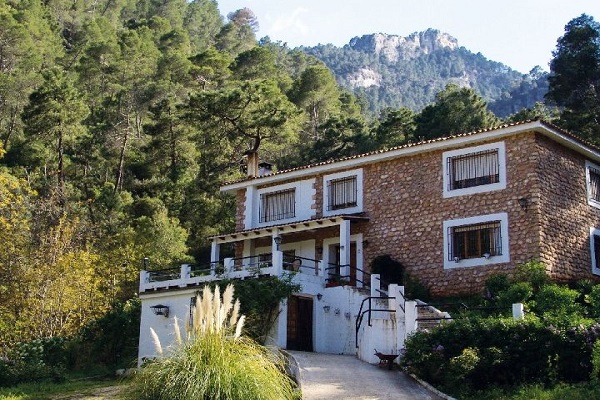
(391, 71)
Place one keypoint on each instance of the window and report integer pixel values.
(593, 184)
(275, 206)
(474, 170)
(595, 250)
(342, 193)
(475, 241)
(479, 240)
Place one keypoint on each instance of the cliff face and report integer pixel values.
(396, 48)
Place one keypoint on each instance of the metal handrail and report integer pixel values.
(166, 274)
(361, 314)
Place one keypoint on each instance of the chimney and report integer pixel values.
(252, 166)
(264, 168)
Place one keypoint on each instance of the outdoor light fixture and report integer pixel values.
(326, 308)
(456, 259)
(486, 256)
(277, 239)
(319, 296)
(524, 203)
(160, 309)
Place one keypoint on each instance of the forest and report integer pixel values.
(119, 119)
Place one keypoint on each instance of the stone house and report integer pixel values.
(452, 211)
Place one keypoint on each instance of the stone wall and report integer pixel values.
(565, 215)
(403, 199)
(406, 207)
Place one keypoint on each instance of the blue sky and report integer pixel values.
(518, 33)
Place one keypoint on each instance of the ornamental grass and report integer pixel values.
(212, 360)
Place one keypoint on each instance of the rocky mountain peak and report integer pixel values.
(395, 47)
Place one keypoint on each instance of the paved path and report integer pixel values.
(331, 376)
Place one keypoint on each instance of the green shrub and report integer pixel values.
(495, 284)
(554, 301)
(595, 374)
(593, 299)
(500, 352)
(533, 272)
(519, 292)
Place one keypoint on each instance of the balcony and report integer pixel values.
(272, 264)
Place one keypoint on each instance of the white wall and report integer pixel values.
(179, 307)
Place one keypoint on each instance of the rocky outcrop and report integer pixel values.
(395, 47)
(364, 77)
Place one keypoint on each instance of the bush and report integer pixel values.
(500, 352)
(214, 361)
(35, 361)
(554, 301)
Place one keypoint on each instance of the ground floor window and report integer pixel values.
(476, 240)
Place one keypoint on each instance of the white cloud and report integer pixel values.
(288, 25)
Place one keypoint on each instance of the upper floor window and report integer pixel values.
(343, 192)
(275, 206)
(595, 250)
(593, 184)
(474, 170)
(475, 241)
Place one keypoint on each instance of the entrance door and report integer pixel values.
(300, 323)
(352, 262)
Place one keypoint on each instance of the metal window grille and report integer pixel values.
(594, 184)
(474, 241)
(342, 193)
(473, 169)
(278, 205)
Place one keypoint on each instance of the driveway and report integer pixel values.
(332, 376)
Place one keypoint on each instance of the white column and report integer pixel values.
(517, 311)
(277, 254)
(400, 317)
(345, 248)
(214, 253)
(375, 285)
(410, 320)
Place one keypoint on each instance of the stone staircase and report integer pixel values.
(429, 317)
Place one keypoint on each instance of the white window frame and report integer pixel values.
(359, 192)
(594, 233)
(588, 183)
(501, 184)
(304, 194)
(473, 262)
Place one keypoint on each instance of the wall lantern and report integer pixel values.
(319, 296)
(277, 239)
(524, 203)
(160, 309)
(326, 308)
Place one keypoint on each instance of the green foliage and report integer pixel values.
(412, 80)
(38, 360)
(456, 110)
(595, 374)
(500, 352)
(111, 340)
(260, 300)
(574, 81)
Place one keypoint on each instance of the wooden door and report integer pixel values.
(352, 262)
(300, 323)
